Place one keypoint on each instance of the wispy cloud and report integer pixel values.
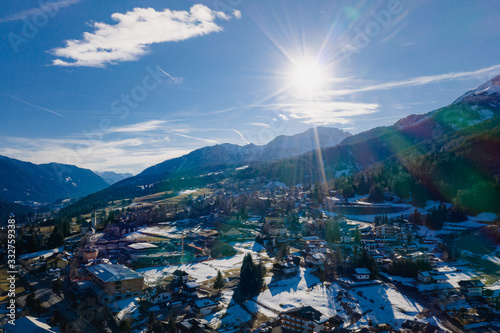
(259, 124)
(175, 79)
(49, 7)
(139, 127)
(242, 137)
(135, 30)
(418, 81)
(35, 106)
(196, 138)
(122, 155)
(324, 112)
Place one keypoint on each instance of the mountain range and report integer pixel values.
(45, 183)
(475, 112)
(226, 154)
(442, 133)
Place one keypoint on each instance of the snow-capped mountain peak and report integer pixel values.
(485, 91)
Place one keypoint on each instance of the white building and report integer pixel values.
(204, 306)
(362, 273)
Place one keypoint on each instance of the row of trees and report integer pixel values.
(60, 231)
(408, 267)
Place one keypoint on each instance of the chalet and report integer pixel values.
(412, 326)
(89, 254)
(316, 259)
(193, 325)
(369, 244)
(180, 277)
(346, 238)
(308, 239)
(157, 295)
(471, 288)
(203, 306)
(307, 319)
(115, 282)
(386, 231)
(275, 218)
(285, 268)
(191, 288)
(362, 273)
(492, 297)
(57, 260)
(425, 276)
(432, 277)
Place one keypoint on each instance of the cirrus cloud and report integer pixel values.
(135, 30)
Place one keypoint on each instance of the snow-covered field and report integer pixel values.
(378, 303)
(205, 270)
(44, 253)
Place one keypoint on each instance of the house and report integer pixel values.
(275, 218)
(158, 295)
(54, 273)
(492, 297)
(346, 238)
(89, 254)
(307, 319)
(432, 277)
(204, 306)
(180, 276)
(191, 288)
(471, 288)
(369, 244)
(234, 233)
(193, 325)
(308, 239)
(115, 282)
(425, 276)
(386, 231)
(316, 259)
(412, 326)
(285, 268)
(58, 260)
(362, 273)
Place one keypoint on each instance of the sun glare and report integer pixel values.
(308, 76)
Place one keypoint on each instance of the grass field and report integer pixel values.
(473, 247)
(4, 284)
(476, 243)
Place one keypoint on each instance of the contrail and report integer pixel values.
(170, 76)
(242, 136)
(35, 106)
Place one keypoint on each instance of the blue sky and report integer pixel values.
(122, 85)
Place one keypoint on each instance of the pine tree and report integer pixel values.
(246, 274)
(219, 282)
(357, 235)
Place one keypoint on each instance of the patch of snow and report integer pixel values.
(43, 254)
(126, 308)
(187, 192)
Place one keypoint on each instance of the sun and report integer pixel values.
(307, 76)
